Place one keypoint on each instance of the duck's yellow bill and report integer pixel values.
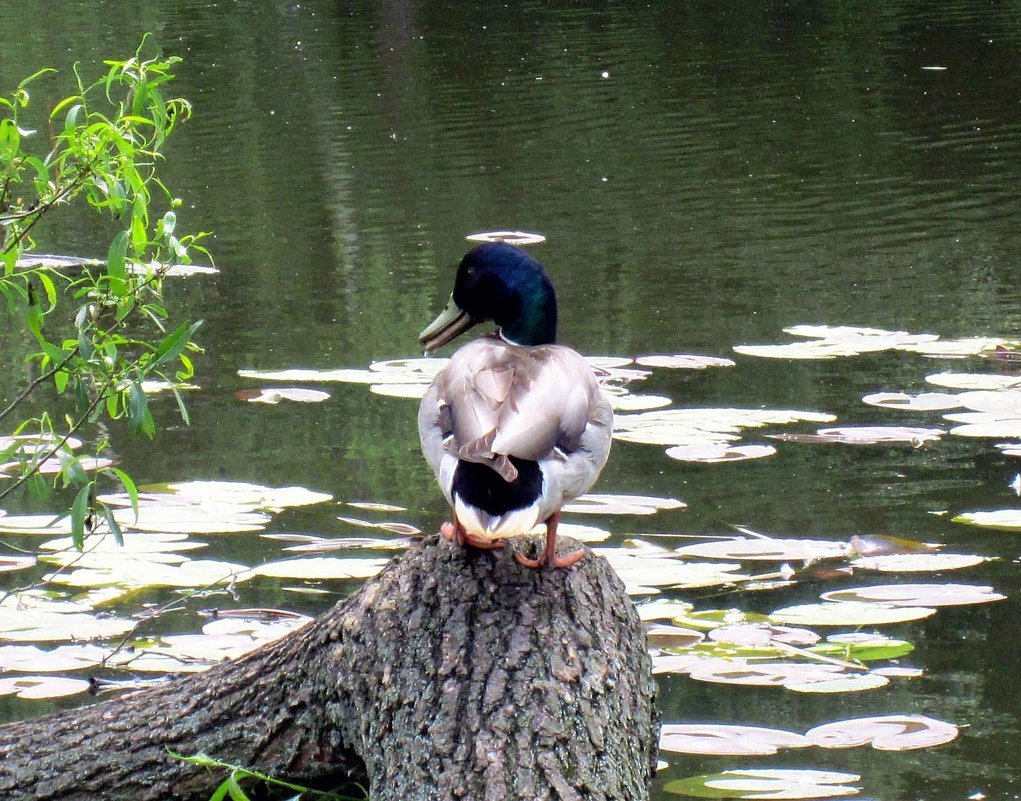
(452, 321)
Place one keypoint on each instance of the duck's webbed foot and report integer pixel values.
(549, 553)
(455, 532)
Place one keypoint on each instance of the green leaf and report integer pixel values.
(79, 510)
(172, 346)
(221, 792)
(115, 259)
(180, 405)
(168, 223)
(139, 417)
(115, 528)
(236, 793)
(129, 487)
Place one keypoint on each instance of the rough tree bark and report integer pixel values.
(452, 675)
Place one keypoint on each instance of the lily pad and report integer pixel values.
(849, 613)
(917, 595)
(42, 687)
(520, 238)
(867, 435)
(703, 426)
(322, 567)
(714, 453)
(766, 549)
(607, 504)
(923, 402)
(39, 625)
(1005, 519)
(885, 733)
(918, 562)
(662, 609)
(792, 675)
(274, 395)
(980, 381)
(711, 739)
(9, 562)
(763, 634)
(776, 783)
(990, 427)
(641, 572)
(684, 361)
(951, 348)
(661, 635)
(271, 499)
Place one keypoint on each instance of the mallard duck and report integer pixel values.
(514, 426)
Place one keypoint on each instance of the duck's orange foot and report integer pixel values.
(555, 561)
(549, 553)
(455, 532)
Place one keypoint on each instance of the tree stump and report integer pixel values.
(454, 674)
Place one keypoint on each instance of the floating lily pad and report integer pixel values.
(766, 549)
(275, 395)
(709, 619)
(792, 675)
(607, 504)
(9, 562)
(917, 595)
(307, 543)
(629, 402)
(32, 659)
(662, 609)
(28, 444)
(673, 663)
(702, 426)
(849, 613)
(1004, 404)
(42, 687)
(923, 402)
(321, 567)
(711, 739)
(684, 361)
(918, 562)
(239, 493)
(38, 625)
(779, 783)
(885, 733)
(1005, 519)
(950, 348)
(980, 381)
(844, 684)
(641, 572)
(137, 573)
(763, 634)
(56, 463)
(401, 529)
(410, 391)
(510, 237)
(866, 435)
(991, 428)
(799, 350)
(661, 635)
(713, 453)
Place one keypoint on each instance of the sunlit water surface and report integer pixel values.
(705, 175)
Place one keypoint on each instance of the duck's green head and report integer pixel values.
(498, 282)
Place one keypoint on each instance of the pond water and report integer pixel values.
(705, 175)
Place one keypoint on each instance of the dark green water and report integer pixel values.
(705, 173)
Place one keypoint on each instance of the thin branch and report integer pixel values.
(60, 445)
(37, 381)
